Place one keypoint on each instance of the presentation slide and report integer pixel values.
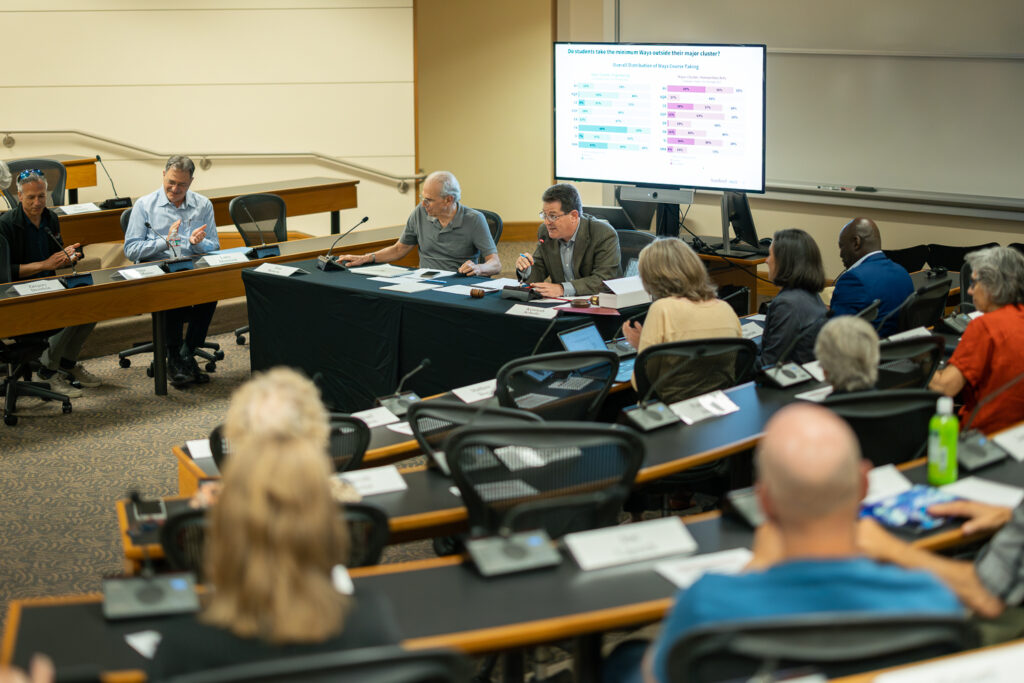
(669, 115)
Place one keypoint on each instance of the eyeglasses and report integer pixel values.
(550, 217)
(29, 172)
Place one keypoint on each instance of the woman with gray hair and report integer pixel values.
(989, 356)
(847, 348)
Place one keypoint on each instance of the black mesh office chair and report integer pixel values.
(349, 440)
(911, 258)
(925, 307)
(909, 363)
(684, 369)
(836, 643)
(891, 425)
(208, 351)
(258, 218)
(1019, 246)
(18, 355)
(631, 242)
(966, 300)
(368, 533)
(498, 468)
(568, 385)
(219, 447)
(952, 258)
(54, 171)
(870, 312)
(383, 664)
(182, 537)
(433, 422)
(494, 224)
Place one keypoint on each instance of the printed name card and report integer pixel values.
(225, 259)
(532, 311)
(376, 417)
(618, 545)
(992, 665)
(751, 330)
(702, 407)
(278, 269)
(910, 334)
(140, 272)
(199, 448)
(1012, 441)
(815, 370)
(375, 480)
(38, 287)
(684, 572)
(815, 395)
(480, 391)
(985, 491)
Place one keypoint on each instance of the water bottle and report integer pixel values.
(943, 430)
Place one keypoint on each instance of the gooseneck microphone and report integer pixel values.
(177, 262)
(264, 250)
(174, 253)
(117, 202)
(784, 373)
(328, 262)
(425, 363)
(647, 414)
(398, 402)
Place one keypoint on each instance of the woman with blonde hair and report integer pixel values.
(275, 535)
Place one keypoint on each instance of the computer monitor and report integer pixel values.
(736, 212)
(615, 216)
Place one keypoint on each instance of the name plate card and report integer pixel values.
(225, 259)
(140, 272)
(375, 480)
(278, 269)
(532, 312)
(38, 287)
(815, 370)
(1012, 441)
(910, 334)
(199, 448)
(702, 407)
(376, 417)
(683, 573)
(481, 391)
(618, 545)
(993, 665)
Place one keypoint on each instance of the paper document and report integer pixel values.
(815, 395)
(505, 490)
(375, 480)
(910, 334)
(410, 286)
(430, 273)
(986, 491)
(376, 417)
(751, 330)
(140, 272)
(756, 318)
(1000, 664)
(382, 270)
(702, 407)
(75, 209)
(885, 481)
(144, 642)
(477, 392)
(199, 448)
(815, 370)
(498, 283)
(684, 572)
(461, 290)
(1012, 441)
(532, 311)
(401, 428)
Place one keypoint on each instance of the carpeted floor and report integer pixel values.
(61, 474)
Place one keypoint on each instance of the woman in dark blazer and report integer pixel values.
(794, 264)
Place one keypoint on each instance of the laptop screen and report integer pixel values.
(586, 338)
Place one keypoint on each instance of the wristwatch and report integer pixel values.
(373, 257)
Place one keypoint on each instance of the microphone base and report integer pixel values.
(785, 375)
(264, 251)
(519, 293)
(328, 263)
(116, 203)
(176, 265)
(519, 552)
(76, 280)
(132, 597)
(399, 403)
(651, 416)
(974, 451)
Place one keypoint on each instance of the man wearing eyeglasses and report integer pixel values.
(450, 236)
(33, 233)
(576, 250)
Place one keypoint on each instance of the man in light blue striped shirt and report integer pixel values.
(169, 223)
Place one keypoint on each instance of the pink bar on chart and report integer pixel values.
(681, 141)
(686, 88)
(680, 105)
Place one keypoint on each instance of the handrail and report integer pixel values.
(401, 182)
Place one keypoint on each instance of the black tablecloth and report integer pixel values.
(362, 340)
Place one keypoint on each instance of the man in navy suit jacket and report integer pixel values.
(869, 275)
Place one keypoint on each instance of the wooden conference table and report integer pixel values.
(302, 196)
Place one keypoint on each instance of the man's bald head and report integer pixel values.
(857, 239)
(809, 467)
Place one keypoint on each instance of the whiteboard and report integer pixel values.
(922, 95)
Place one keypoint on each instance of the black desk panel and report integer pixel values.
(362, 339)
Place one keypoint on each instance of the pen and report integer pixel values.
(436, 282)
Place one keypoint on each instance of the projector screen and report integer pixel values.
(660, 115)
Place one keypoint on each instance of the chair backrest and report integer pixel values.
(5, 260)
(126, 216)
(631, 242)
(837, 643)
(368, 533)
(498, 468)
(683, 369)
(56, 179)
(494, 224)
(911, 258)
(926, 306)
(952, 258)
(350, 438)
(870, 312)
(382, 664)
(566, 385)
(891, 425)
(432, 422)
(966, 300)
(182, 537)
(252, 213)
(219, 447)
(909, 363)
(1019, 246)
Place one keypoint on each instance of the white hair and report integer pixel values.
(449, 184)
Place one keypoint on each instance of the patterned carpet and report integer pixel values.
(62, 474)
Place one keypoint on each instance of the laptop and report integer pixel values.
(588, 338)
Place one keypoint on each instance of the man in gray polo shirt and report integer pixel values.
(450, 236)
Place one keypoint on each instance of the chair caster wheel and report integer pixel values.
(125, 362)
(65, 407)
(149, 371)
(10, 420)
(219, 355)
(211, 367)
(240, 340)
